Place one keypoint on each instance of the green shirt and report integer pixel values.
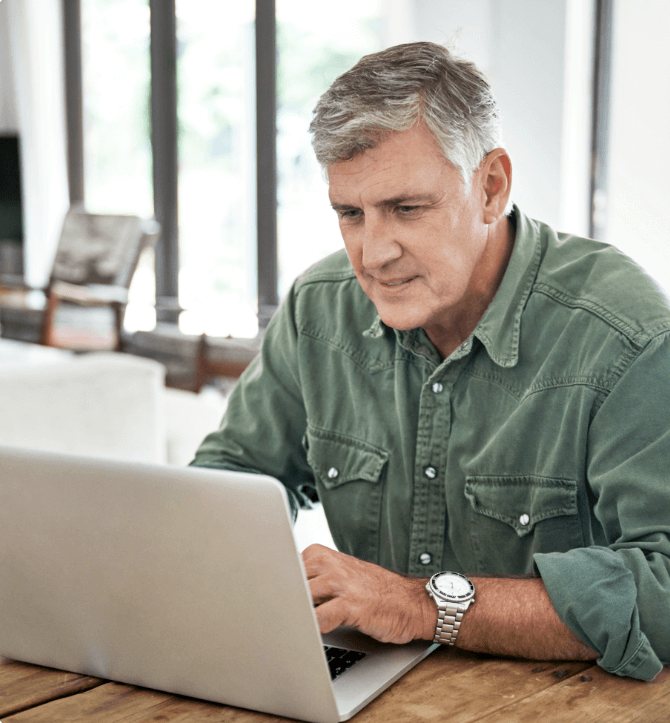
(542, 444)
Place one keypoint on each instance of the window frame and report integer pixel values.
(600, 118)
(165, 151)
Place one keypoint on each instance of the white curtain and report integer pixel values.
(34, 31)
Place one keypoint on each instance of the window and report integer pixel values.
(215, 42)
(314, 48)
(215, 279)
(117, 131)
(217, 156)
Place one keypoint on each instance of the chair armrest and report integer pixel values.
(91, 295)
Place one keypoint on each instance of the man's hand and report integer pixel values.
(379, 603)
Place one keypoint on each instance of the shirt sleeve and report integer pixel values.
(264, 425)
(616, 597)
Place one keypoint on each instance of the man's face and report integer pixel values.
(414, 235)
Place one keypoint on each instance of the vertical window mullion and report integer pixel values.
(74, 99)
(600, 129)
(165, 155)
(266, 159)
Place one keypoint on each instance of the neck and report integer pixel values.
(480, 292)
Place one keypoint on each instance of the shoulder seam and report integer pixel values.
(316, 273)
(635, 336)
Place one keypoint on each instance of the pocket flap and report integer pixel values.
(521, 501)
(336, 459)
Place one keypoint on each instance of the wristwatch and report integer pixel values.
(453, 593)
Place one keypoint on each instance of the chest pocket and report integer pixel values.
(349, 477)
(514, 517)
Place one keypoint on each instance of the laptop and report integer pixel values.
(182, 580)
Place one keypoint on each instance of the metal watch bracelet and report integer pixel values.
(449, 616)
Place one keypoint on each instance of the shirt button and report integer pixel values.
(425, 558)
(524, 520)
(332, 473)
(430, 472)
(437, 387)
(464, 345)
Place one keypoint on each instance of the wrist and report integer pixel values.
(430, 622)
(429, 614)
(425, 611)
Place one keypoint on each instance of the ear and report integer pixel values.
(496, 184)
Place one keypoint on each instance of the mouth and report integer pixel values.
(395, 282)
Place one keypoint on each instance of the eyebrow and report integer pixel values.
(395, 201)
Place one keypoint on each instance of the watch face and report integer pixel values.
(453, 586)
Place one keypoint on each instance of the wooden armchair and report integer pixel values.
(95, 261)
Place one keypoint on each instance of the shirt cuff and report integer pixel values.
(595, 595)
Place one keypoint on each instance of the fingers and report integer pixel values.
(316, 559)
(321, 589)
(348, 591)
(316, 550)
(329, 578)
(331, 614)
(325, 577)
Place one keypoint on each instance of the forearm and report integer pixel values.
(515, 617)
(512, 617)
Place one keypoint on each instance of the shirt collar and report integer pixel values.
(500, 326)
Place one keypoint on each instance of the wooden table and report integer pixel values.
(481, 688)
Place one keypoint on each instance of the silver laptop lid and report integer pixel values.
(184, 580)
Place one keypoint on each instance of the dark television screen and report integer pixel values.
(11, 216)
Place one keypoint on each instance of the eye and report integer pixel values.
(348, 213)
(406, 210)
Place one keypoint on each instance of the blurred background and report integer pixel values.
(87, 115)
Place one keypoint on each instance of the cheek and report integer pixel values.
(449, 270)
(351, 246)
(454, 251)
(348, 236)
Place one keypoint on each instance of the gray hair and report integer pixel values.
(391, 90)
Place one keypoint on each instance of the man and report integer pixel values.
(467, 391)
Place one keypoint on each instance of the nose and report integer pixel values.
(380, 244)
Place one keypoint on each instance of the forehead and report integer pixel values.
(405, 161)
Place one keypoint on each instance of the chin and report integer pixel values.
(401, 322)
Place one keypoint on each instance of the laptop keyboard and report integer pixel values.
(340, 659)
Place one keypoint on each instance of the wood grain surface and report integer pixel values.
(460, 687)
(593, 697)
(25, 686)
(449, 685)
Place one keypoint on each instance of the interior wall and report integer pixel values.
(639, 153)
(538, 56)
(528, 80)
(8, 121)
(33, 102)
(467, 26)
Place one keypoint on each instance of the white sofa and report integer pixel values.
(102, 405)
(113, 406)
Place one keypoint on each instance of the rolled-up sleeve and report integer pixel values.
(616, 597)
